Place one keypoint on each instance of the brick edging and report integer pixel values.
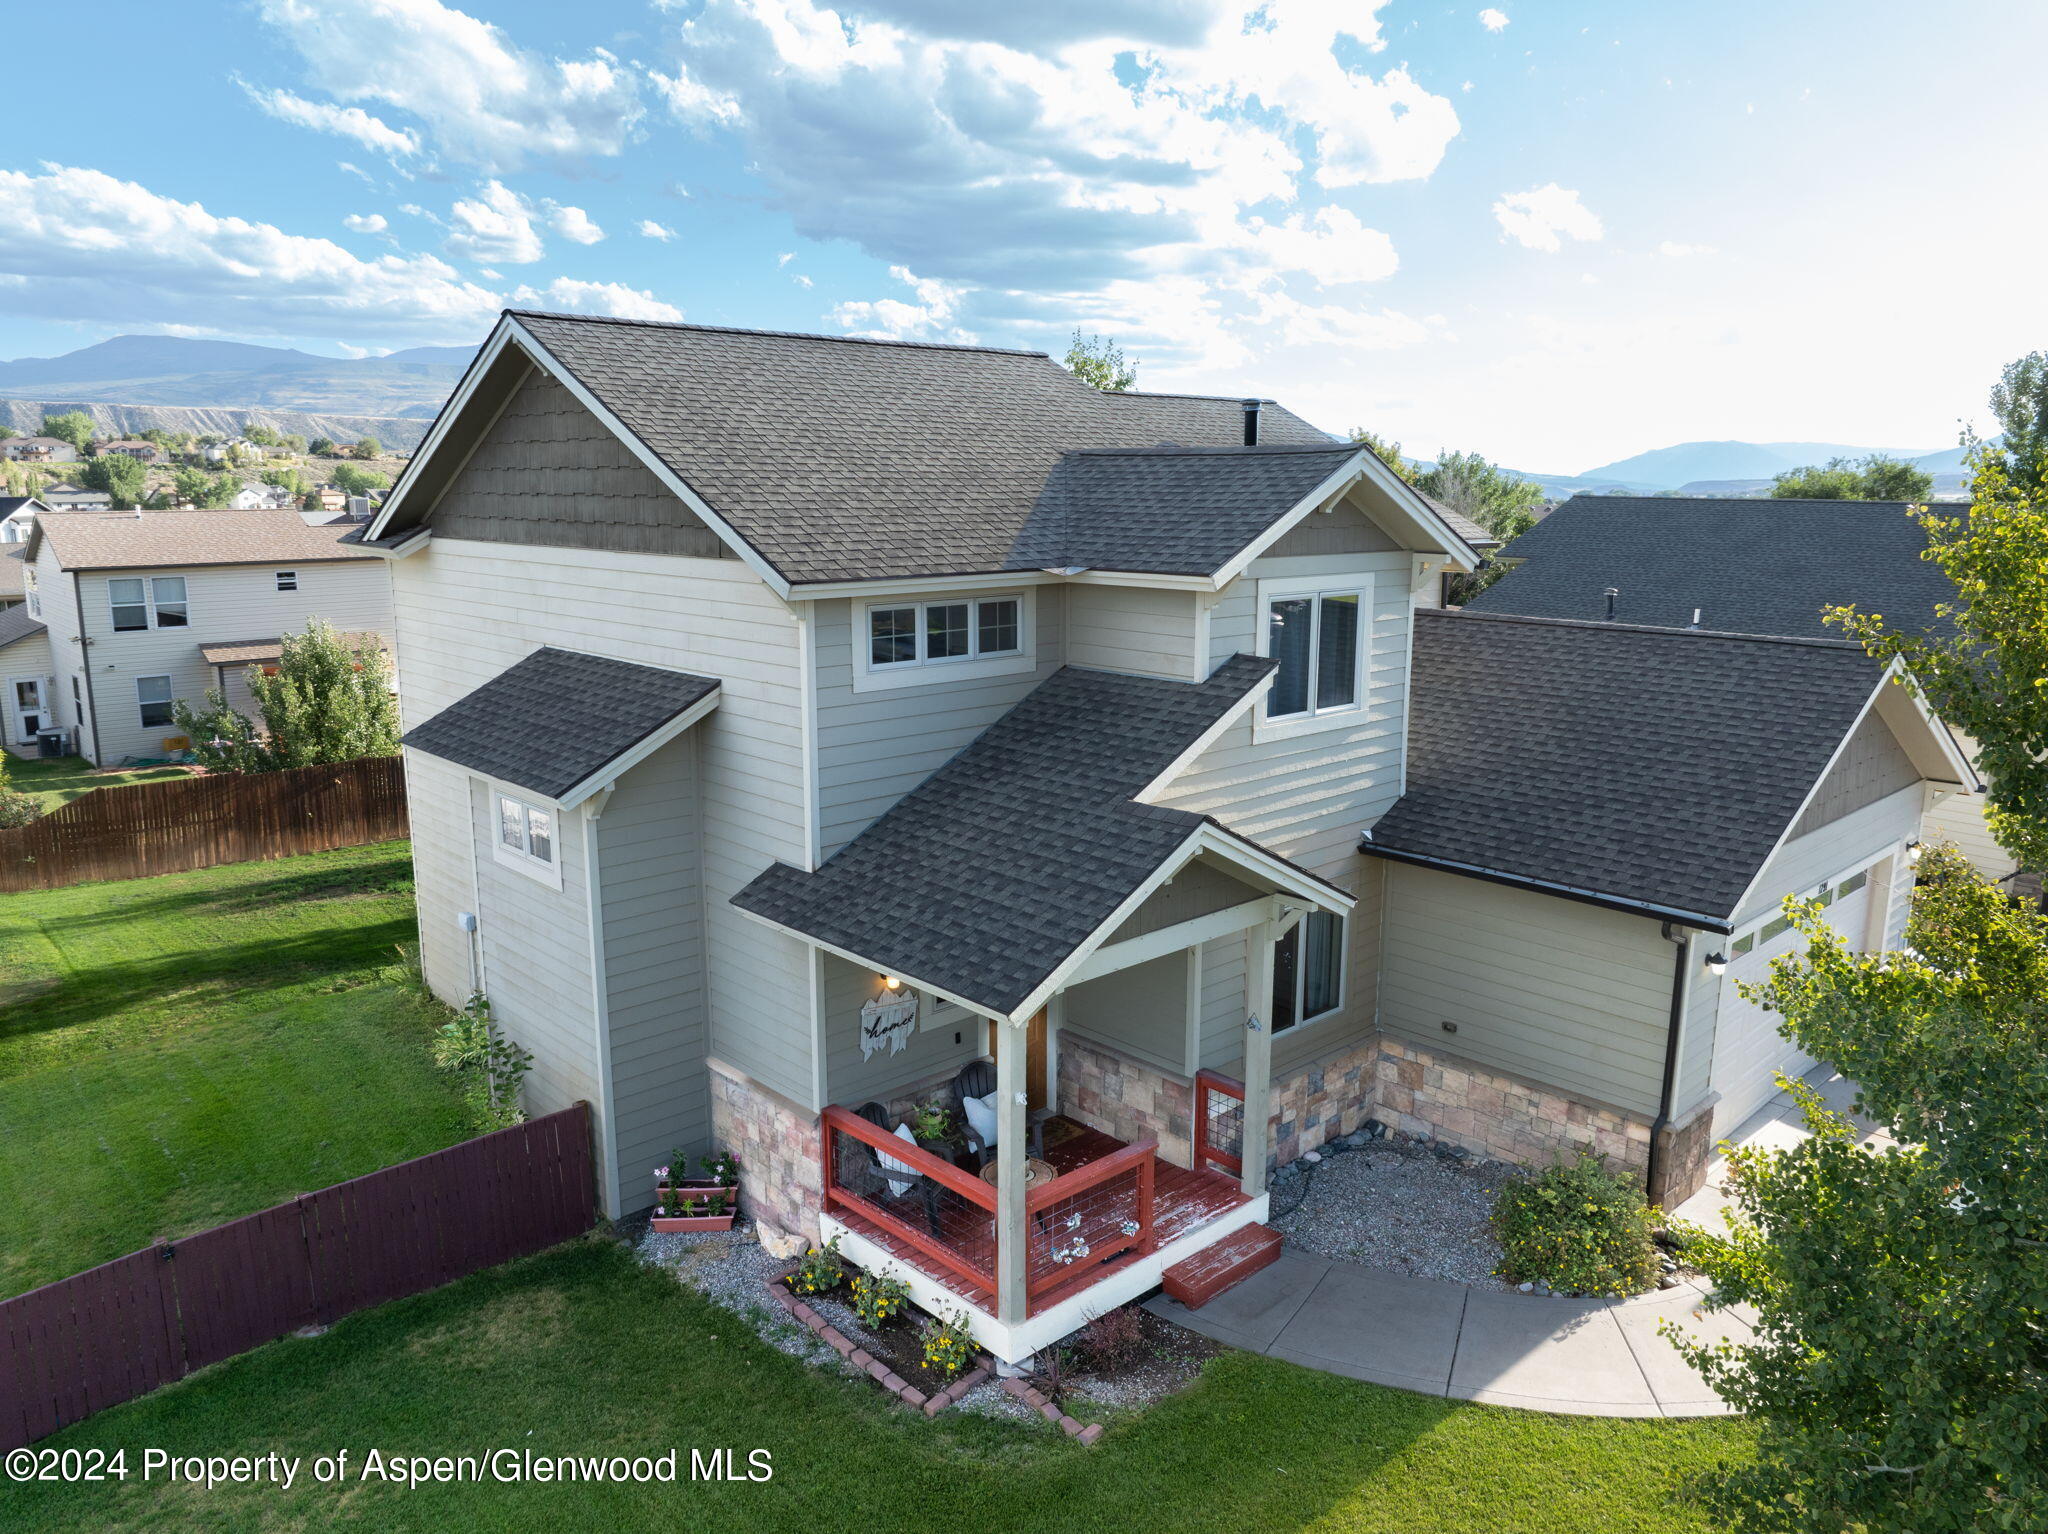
(879, 1372)
(1044, 1405)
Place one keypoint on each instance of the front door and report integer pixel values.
(28, 708)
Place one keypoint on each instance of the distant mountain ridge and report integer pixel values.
(400, 432)
(1728, 468)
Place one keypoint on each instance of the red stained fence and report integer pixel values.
(1219, 1121)
(197, 822)
(118, 1331)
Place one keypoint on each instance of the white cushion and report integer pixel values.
(981, 1118)
(891, 1164)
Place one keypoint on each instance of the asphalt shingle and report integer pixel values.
(557, 717)
(17, 624)
(127, 540)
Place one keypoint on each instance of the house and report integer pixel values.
(1741, 566)
(141, 610)
(68, 497)
(141, 449)
(259, 497)
(802, 728)
(38, 450)
(17, 516)
(13, 589)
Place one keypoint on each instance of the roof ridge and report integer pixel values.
(1745, 500)
(780, 335)
(1465, 614)
(1170, 449)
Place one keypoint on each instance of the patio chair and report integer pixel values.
(976, 1082)
(896, 1181)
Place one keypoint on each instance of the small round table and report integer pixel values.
(1035, 1172)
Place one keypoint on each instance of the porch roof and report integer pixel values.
(1009, 860)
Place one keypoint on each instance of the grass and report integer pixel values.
(53, 781)
(582, 1351)
(178, 1051)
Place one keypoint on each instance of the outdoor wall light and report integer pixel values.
(891, 983)
(1717, 963)
(1913, 851)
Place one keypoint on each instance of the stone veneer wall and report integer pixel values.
(1108, 1090)
(1323, 1100)
(1686, 1149)
(776, 1144)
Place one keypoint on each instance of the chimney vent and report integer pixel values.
(1695, 619)
(1612, 593)
(1251, 423)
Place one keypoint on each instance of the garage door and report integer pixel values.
(1749, 1052)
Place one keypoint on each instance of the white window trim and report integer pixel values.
(141, 702)
(148, 602)
(869, 677)
(1269, 591)
(518, 859)
(1301, 979)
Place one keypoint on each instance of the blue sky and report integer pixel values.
(1556, 233)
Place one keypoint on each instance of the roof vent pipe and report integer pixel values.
(1251, 423)
(1612, 593)
(1695, 619)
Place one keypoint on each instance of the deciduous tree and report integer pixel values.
(1099, 362)
(1875, 478)
(329, 701)
(1502, 503)
(117, 474)
(73, 426)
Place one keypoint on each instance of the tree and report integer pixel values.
(353, 481)
(311, 501)
(1895, 1374)
(369, 447)
(2020, 401)
(209, 491)
(1875, 478)
(73, 426)
(1498, 501)
(329, 701)
(6, 432)
(286, 478)
(262, 436)
(1099, 362)
(322, 447)
(16, 808)
(117, 474)
(1388, 453)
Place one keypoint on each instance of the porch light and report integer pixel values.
(1913, 851)
(891, 983)
(1717, 963)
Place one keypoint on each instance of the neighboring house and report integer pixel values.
(38, 450)
(12, 572)
(259, 497)
(794, 722)
(69, 497)
(138, 606)
(1746, 567)
(27, 687)
(141, 449)
(17, 516)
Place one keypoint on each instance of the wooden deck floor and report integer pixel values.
(1182, 1201)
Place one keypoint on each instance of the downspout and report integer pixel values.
(92, 709)
(1681, 971)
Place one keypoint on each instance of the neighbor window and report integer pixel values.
(287, 580)
(153, 693)
(526, 829)
(1316, 638)
(1308, 970)
(931, 632)
(136, 601)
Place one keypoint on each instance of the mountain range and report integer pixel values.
(1726, 468)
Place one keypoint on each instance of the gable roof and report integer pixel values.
(123, 540)
(992, 873)
(557, 720)
(1633, 764)
(13, 571)
(15, 623)
(1749, 566)
(841, 459)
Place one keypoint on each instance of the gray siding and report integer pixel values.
(1142, 1010)
(1220, 1045)
(548, 472)
(1960, 819)
(1798, 867)
(874, 747)
(1558, 992)
(1347, 528)
(1199, 889)
(1135, 629)
(929, 1055)
(651, 898)
(1872, 765)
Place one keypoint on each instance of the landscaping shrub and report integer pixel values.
(879, 1298)
(16, 808)
(1112, 1342)
(821, 1271)
(949, 1346)
(1578, 1228)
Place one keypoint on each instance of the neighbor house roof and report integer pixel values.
(841, 459)
(15, 623)
(995, 870)
(13, 571)
(241, 651)
(557, 719)
(126, 540)
(1641, 765)
(1749, 566)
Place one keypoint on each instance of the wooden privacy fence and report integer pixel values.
(118, 1331)
(184, 823)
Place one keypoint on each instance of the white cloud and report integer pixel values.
(366, 223)
(1336, 325)
(495, 225)
(483, 100)
(78, 243)
(324, 117)
(801, 280)
(892, 319)
(1543, 217)
(653, 231)
(576, 297)
(1493, 20)
(1677, 248)
(573, 224)
(1332, 246)
(785, 258)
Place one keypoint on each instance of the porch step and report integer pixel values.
(1197, 1280)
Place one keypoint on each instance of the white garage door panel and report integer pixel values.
(1749, 1052)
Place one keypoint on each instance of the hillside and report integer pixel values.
(1667, 468)
(400, 432)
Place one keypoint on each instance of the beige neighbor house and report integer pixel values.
(800, 729)
(132, 611)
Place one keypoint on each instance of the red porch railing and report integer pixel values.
(922, 1200)
(1219, 1121)
(1087, 1221)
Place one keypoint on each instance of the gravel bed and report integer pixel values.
(729, 1267)
(1397, 1206)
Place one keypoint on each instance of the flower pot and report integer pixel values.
(687, 1190)
(668, 1224)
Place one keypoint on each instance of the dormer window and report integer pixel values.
(926, 633)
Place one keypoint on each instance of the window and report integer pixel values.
(1853, 883)
(1318, 637)
(526, 838)
(1776, 926)
(134, 601)
(1308, 970)
(1743, 944)
(934, 632)
(153, 693)
(287, 580)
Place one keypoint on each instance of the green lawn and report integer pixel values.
(581, 1351)
(58, 780)
(178, 1051)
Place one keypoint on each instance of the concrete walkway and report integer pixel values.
(1601, 1358)
(1778, 1125)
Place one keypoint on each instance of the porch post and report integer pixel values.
(1012, 1064)
(1258, 1052)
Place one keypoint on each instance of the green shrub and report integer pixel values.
(1578, 1228)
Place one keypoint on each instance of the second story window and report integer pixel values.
(153, 602)
(1317, 638)
(931, 632)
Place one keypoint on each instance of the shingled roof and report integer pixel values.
(1749, 566)
(127, 540)
(555, 720)
(840, 459)
(1630, 763)
(997, 868)
(17, 623)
